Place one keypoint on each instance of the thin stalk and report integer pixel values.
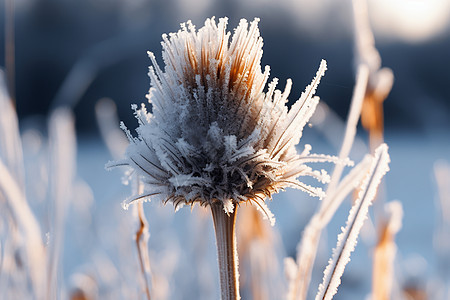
(224, 227)
(142, 236)
(9, 49)
(298, 289)
(362, 77)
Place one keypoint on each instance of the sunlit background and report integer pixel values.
(74, 53)
(80, 51)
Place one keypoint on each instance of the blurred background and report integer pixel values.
(81, 51)
(68, 52)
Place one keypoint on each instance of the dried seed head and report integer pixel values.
(213, 133)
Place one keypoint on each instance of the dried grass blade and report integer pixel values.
(348, 238)
(12, 194)
(62, 172)
(310, 240)
(351, 181)
(384, 254)
(10, 144)
(28, 224)
(307, 249)
(362, 78)
(142, 236)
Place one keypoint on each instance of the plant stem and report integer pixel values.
(142, 236)
(224, 227)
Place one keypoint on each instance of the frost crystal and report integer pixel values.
(213, 134)
(348, 237)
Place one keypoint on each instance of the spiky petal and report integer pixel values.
(213, 134)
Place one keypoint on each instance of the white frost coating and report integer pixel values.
(348, 238)
(359, 92)
(264, 210)
(308, 245)
(228, 206)
(213, 134)
(351, 181)
(307, 248)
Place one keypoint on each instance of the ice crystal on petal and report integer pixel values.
(213, 133)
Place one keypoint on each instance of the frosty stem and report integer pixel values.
(142, 236)
(224, 227)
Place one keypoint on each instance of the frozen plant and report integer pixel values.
(214, 136)
(348, 238)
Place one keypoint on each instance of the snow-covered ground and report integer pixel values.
(175, 237)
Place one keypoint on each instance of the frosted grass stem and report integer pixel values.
(380, 79)
(62, 142)
(383, 278)
(362, 77)
(142, 236)
(307, 249)
(348, 238)
(224, 228)
(10, 143)
(28, 224)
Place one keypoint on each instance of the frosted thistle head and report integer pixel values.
(215, 133)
